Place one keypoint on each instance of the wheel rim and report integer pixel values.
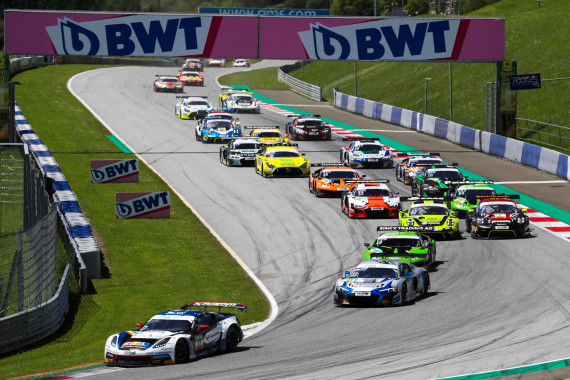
(232, 339)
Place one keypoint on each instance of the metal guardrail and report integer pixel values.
(29, 326)
(309, 90)
(543, 134)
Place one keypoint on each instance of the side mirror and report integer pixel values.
(367, 245)
(139, 325)
(202, 328)
(364, 176)
(346, 273)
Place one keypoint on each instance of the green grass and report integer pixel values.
(535, 38)
(154, 265)
(262, 79)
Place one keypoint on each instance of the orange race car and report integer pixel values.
(191, 78)
(331, 179)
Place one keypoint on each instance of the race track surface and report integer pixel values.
(493, 303)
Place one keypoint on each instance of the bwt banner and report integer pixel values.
(265, 11)
(155, 205)
(116, 171)
(264, 37)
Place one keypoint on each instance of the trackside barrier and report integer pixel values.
(79, 237)
(534, 156)
(309, 90)
(29, 326)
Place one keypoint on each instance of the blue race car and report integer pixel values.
(366, 152)
(217, 126)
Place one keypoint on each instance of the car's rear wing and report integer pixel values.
(460, 183)
(498, 196)
(406, 228)
(192, 96)
(368, 181)
(334, 164)
(421, 199)
(240, 306)
(428, 154)
(361, 138)
(166, 75)
(260, 127)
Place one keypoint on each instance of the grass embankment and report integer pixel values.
(154, 265)
(535, 37)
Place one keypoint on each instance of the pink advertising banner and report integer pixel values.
(150, 205)
(114, 171)
(321, 38)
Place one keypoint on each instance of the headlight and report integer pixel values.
(305, 166)
(161, 343)
(521, 220)
(114, 341)
(389, 291)
(359, 205)
(409, 222)
(343, 289)
(270, 166)
(450, 222)
(481, 220)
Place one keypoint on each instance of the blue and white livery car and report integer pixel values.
(366, 152)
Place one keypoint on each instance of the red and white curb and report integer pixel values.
(536, 218)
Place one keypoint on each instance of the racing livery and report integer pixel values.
(167, 83)
(217, 126)
(370, 199)
(497, 215)
(381, 282)
(407, 169)
(436, 180)
(216, 62)
(240, 151)
(240, 63)
(366, 152)
(431, 212)
(241, 101)
(191, 78)
(176, 336)
(407, 244)
(308, 127)
(192, 107)
(267, 135)
(464, 196)
(193, 64)
(281, 160)
(332, 179)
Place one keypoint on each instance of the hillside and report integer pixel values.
(535, 37)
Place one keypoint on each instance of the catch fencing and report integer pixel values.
(311, 91)
(544, 134)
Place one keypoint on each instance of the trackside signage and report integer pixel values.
(117, 171)
(153, 205)
(266, 11)
(264, 37)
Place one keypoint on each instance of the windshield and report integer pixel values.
(474, 192)
(245, 146)
(499, 208)
(337, 174)
(167, 325)
(445, 174)
(369, 148)
(282, 153)
(196, 103)
(372, 193)
(375, 273)
(217, 124)
(398, 242)
(243, 98)
(267, 134)
(429, 210)
(169, 80)
(309, 123)
(190, 75)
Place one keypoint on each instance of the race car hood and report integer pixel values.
(154, 334)
(431, 219)
(384, 251)
(500, 216)
(372, 282)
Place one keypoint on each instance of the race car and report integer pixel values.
(193, 64)
(430, 212)
(240, 151)
(497, 216)
(407, 169)
(267, 135)
(370, 199)
(464, 196)
(167, 83)
(308, 127)
(331, 179)
(241, 102)
(240, 63)
(381, 282)
(281, 160)
(409, 244)
(192, 107)
(191, 78)
(216, 62)
(229, 91)
(217, 126)
(176, 336)
(366, 152)
(436, 180)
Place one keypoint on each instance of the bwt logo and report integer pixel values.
(147, 205)
(139, 35)
(114, 171)
(382, 40)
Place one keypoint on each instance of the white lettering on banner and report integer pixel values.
(384, 39)
(114, 170)
(142, 205)
(138, 35)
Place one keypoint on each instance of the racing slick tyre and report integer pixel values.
(310, 188)
(403, 294)
(180, 352)
(425, 284)
(262, 171)
(197, 137)
(467, 225)
(474, 234)
(232, 339)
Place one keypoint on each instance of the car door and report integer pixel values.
(207, 331)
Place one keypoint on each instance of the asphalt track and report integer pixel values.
(493, 303)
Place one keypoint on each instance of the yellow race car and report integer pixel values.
(267, 135)
(281, 160)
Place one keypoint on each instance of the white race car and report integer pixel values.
(366, 152)
(240, 63)
(176, 336)
(381, 282)
(241, 102)
(192, 107)
(216, 62)
(167, 83)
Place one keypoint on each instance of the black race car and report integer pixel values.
(435, 181)
(497, 216)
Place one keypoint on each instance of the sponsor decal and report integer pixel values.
(118, 171)
(137, 35)
(152, 205)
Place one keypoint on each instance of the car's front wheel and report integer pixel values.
(404, 293)
(181, 351)
(425, 285)
(232, 339)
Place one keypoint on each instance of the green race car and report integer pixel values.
(431, 212)
(465, 196)
(407, 244)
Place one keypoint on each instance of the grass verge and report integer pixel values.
(154, 265)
